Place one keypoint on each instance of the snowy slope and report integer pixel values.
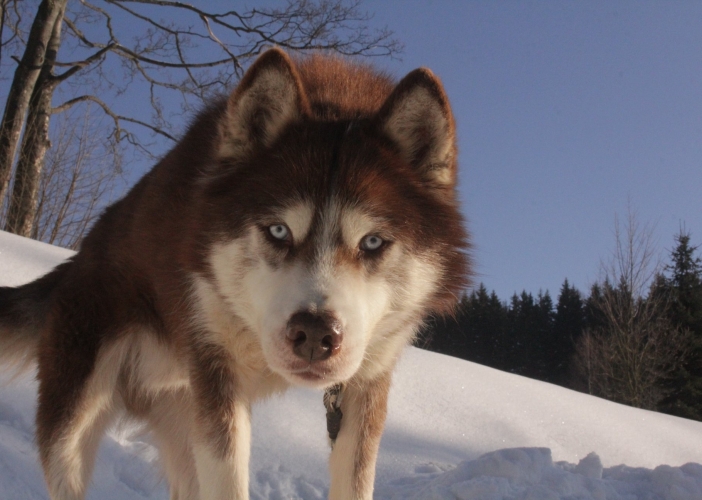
(455, 430)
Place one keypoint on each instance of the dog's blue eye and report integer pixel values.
(279, 231)
(371, 242)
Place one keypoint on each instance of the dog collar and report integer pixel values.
(332, 402)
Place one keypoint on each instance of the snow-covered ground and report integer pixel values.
(455, 430)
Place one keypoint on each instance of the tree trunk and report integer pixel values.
(23, 84)
(23, 200)
(4, 4)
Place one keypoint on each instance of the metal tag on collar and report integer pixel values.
(332, 402)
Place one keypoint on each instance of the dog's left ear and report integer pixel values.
(418, 119)
(269, 97)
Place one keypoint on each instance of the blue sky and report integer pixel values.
(567, 112)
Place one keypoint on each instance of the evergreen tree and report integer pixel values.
(544, 341)
(444, 334)
(530, 323)
(684, 286)
(514, 337)
(592, 311)
(484, 327)
(568, 326)
(475, 333)
(541, 343)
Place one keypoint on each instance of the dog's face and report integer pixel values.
(332, 242)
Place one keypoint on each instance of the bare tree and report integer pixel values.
(635, 348)
(10, 20)
(27, 73)
(169, 53)
(76, 182)
(23, 200)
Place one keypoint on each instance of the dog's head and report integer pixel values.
(334, 230)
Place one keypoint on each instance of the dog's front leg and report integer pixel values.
(352, 462)
(222, 428)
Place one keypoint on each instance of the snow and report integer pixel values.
(455, 430)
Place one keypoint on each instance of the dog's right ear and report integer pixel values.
(269, 97)
(417, 117)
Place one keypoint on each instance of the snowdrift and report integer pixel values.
(455, 430)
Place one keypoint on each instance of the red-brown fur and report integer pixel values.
(132, 275)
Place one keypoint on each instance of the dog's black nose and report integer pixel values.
(314, 337)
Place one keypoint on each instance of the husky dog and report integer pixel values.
(297, 235)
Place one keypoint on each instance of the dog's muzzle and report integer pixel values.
(314, 337)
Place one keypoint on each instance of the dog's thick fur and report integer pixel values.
(298, 234)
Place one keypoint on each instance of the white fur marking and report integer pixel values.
(170, 419)
(377, 311)
(298, 218)
(73, 454)
(226, 478)
(355, 225)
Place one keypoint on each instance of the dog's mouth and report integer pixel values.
(309, 373)
(312, 373)
(309, 376)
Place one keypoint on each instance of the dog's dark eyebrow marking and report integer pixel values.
(343, 130)
(353, 124)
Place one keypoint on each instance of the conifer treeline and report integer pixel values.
(583, 342)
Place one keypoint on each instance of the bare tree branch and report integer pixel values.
(77, 66)
(77, 176)
(635, 348)
(115, 117)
